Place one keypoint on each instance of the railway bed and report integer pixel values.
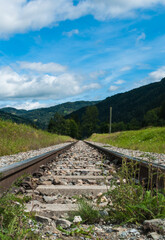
(81, 169)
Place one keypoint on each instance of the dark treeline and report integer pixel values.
(16, 119)
(72, 127)
(135, 109)
(140, 107)
(90, 123)
(41, 117)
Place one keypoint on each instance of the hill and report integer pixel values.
(129, 105)
(15, 118)
(41, 117)
(16, 138)
(147, 140)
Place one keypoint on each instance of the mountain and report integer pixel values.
(14, 118)
(14, 111)
(129, 105)
(41, 117)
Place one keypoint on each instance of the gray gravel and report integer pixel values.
(10, 159)
(146, 156)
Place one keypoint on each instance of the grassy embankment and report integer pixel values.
(148, 140)
(16, 138)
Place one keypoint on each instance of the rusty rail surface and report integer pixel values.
(146, 169)
(9, 174)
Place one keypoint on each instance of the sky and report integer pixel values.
(54, 51)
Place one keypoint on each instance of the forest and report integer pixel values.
(133, 110)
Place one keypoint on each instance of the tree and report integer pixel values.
(162, 110)
(57, 124)
(120, 126)
(134, 124)
(151, 118)
(73, 129)
(90, 121)
(104, 127)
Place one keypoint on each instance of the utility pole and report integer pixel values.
(110, 120)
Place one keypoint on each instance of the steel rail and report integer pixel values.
(146, 169)
(9, 174)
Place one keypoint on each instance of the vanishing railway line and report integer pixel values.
(76, 169)
(10, 173)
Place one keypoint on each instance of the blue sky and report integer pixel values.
(57, 51)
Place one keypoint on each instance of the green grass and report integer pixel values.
(132, 202)
(87, 211)
(126, 201)
(148, 140)
(14, 221)
(16, 138)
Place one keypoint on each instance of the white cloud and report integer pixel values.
(71, 33)
(110, 78)
(107, 9)
(141, 37)
(142, 66)
(97, 74)
(126, 68)
(91, 86)
(154, 76)
(43, 68)
(157, 75)
(18, 16)
(118, 82)
(28, 105)
(113, 88)
(14, 85)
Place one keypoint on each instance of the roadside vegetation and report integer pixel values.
(15, 223)
(125, 201)
(16, 138)
(148, 140)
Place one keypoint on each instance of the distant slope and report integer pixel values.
(140, 139)
(14, 111)
(42, 116)
(128, 105)
(14, 118)
(16, 138)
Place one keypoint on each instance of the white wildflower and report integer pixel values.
(77, 219)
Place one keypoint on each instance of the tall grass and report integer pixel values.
(127, 201)
(132, 202)
(16, 138)
(15, 221)
(148, 140)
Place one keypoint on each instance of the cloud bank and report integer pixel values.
(43, 68)
(15, 85)
(18, 16)
(71, 33)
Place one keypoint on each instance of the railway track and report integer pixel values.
(76, 170)
(10, 173)
(145, 168)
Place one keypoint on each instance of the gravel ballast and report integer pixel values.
(147, 156)
(10, 159)
(158, 158)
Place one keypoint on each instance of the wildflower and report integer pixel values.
(77, 219)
